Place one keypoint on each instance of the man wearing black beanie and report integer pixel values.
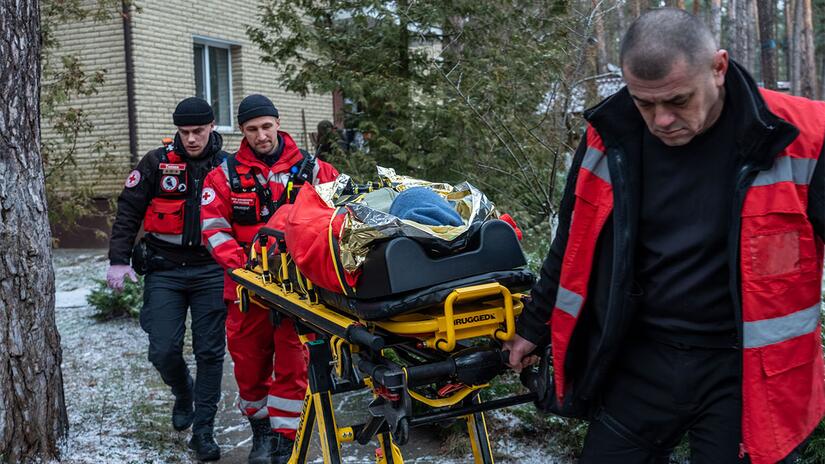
(163, 194)
(239, 197)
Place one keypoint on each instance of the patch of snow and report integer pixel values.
(71, 298)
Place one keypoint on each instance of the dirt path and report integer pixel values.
(119, 409)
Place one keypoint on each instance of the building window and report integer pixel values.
(213, 79)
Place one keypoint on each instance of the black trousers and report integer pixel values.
(658, 393)
(167, 295)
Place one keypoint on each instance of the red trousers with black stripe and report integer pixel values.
(270, 367)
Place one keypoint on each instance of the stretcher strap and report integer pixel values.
(335, 250)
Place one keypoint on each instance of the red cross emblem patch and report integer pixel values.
(133, 179)
(207, 196)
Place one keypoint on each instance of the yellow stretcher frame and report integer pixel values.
(487, 310)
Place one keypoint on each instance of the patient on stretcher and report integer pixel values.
(400, 247)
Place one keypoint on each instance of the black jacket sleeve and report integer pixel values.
(816, 197)
(532, 324)
(131, 207)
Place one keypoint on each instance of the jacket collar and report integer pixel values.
(213, 148)
(760, 134)
(289, 156)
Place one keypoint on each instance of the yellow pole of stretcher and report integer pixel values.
(476, 292)
(479, 439)
(388, 452)
(303, 434)
(265, 274)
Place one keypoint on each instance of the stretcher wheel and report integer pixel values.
(402, 432)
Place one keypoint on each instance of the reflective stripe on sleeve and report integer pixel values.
(596, 162)
(225, 169)
(217, 240)
(779, 329)
(215, 223)
(569, 302)
(787, 169)
(315, 170)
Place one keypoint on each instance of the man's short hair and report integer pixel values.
(658, 38)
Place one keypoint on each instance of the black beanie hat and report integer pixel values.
(255, 105)
(193, 111)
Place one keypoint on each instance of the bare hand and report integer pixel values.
(520, 356)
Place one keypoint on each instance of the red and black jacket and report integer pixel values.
(232, 214)
(586, 292)
(163, 194)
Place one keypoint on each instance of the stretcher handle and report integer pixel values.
(471, 367)
(280, 238)
(359, 335)
(390, 377)
(540, 382)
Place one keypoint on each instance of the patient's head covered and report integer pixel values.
(424, 206)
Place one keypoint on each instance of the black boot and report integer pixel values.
(183, 413)
(262, 441)
(204, 446)
(281, 449)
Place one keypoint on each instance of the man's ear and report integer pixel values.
(721, 61)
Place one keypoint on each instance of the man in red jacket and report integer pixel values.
(683, 288)
(238, 198)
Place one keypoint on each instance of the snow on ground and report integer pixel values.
(107, 380)
(119, 408)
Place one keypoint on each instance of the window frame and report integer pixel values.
(208, 42)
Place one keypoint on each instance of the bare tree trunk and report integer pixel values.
(822, 78)
(791, 49)
(601, 40)
(795, 41)
(591, 88)
(767, 15)
(635, 8)
(753, 36)
(807, 87)
(621, 26)
(716, 20)
(696, 4)
(32, 408)
(742, 35)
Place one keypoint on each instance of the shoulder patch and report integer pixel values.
(133, 179)
(207, 196)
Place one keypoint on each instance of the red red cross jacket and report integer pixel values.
(776, 256)
(231, 218)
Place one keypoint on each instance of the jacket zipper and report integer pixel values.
(194, 215)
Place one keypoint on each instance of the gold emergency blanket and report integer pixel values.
(368, 221)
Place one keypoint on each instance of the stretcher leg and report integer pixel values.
(479, 439)
(320, 388)
(388, 452)
(303, 435)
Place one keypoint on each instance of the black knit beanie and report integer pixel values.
(255, 105)
(193, 111)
